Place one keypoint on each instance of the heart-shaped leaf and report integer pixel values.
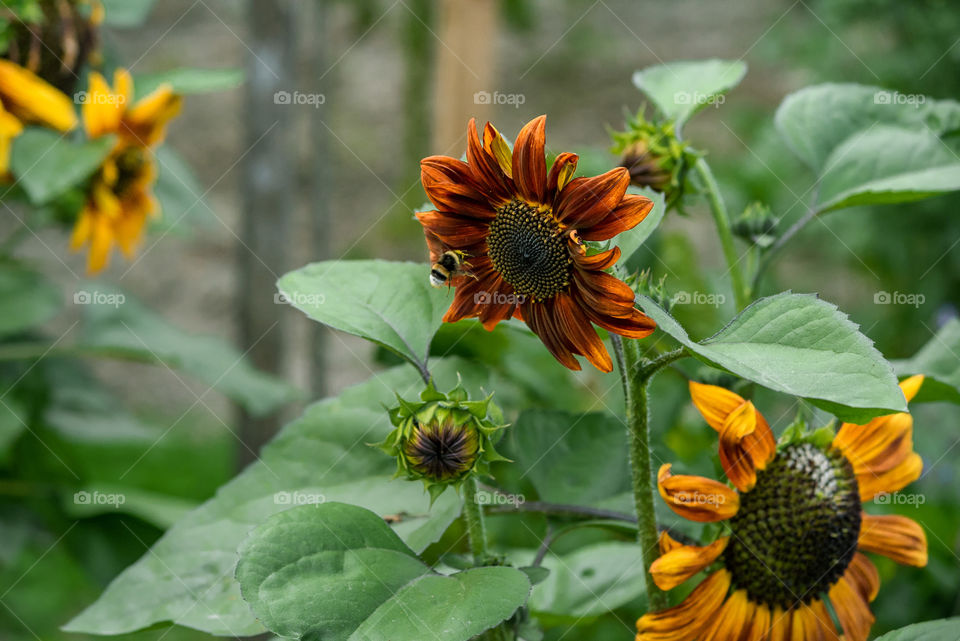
(681, 89)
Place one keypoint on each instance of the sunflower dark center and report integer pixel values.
(796, 531)
(442, 452)
(529, 250)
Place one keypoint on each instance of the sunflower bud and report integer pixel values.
(654, 156)
(54, 38)
(756, 224)
(443, 438)
(643, 283)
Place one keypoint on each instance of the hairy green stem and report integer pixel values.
(476, 532)
(722, 220)
(635, 374)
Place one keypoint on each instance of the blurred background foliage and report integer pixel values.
(570, 59)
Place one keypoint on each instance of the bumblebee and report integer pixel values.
(451, 263)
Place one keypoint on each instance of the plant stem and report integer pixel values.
(780, 242)
(722, 220)
(476, 532)
(635, 373)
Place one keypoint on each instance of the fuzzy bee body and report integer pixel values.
(451, 263)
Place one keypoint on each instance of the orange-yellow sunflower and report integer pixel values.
(120, 197)
(522, 230)
(795, 530)
(27, 98)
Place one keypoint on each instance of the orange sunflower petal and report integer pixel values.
(895, 537)
(538, 318)
(456, 232)
(486, 170)
(697, 498)
(685, 621)
(779, 625)
(628, 214)
(585, 202)
(732, 620)
(449, 186)
(715, 403)
(852, 610)
(574, 324)
(530, 162)
(826, 629)
(759, 624)
(862, 574)
(680, 563)
(564, 166)
(892, 480)
(667, 542)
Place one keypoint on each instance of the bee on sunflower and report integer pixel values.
(120, 196)
(522, 230)
(795, 530)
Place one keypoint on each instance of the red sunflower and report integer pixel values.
(522, 230)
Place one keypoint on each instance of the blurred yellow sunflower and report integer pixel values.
(795, 529)
(25, 98)
(120, 197)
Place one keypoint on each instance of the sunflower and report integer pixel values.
(795, 530)
(27, 98)
(522, 230)
(120, 196)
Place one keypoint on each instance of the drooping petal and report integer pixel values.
(732, 620)
(530, 161)
(576, 327)
(697, 498)
(667, 542)
(863, 575)
(895, 537)
(598, 262)
(685, 621)
(852, 610)
(564, 166)
(892, 480)
(448, 184)
(680, 563)
(538, 317)
(585, 202)
(628, 214)
(823, 622)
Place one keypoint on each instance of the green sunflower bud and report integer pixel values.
(756, 224)
(443, 438)
(643, 283)
(654, 156)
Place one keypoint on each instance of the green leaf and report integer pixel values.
(187, 576)
(571, 458)
(816, 120)
(159, 509)
(885, 165)
(799, 345)
(47, 164)
(681, 89)
(941, 630)
(448, 608)
(13, 420)
(389, 303)
(190, 81)
(590, 582)
(939, 362)
(26, 298)
(125, 324)
(126, 13)
(631, 240)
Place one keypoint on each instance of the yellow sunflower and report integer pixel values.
(795, 530)
(120, 197)
(27, 98)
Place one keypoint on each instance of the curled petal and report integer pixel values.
(895, 537)
(697, 498)
(746, 445)
(564, 166)
(497, 147)
(852, 610)
(530, 161)
(585, 202)
(685, 621)
(680, 563)
(598, 262)
(892, 480)
(628, 214)
(715, 403)
(486, 170)
(667, 542)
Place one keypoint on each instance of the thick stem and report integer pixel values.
(636, 373)
(473, 514)
(722, 220)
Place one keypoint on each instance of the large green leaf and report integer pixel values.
(187, 576)
(887, 164)
(942, 630)
(47, 163)
(816, 120)
(27, 299)
(338, 572)
(190, 81)
(681, 89)
(115, 321)
(799, 345)
(592, 581)
(389, 303)
(571, 458)
(939, 362)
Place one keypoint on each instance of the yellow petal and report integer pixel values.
(732, 619)
(895, 537)
(910, 386)
(685, 621)
(852, 611)
(497, 147)
(32, 99)
(697, 498)
(715, 403)
(146, 121)
(101, 109)
(892, 480)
